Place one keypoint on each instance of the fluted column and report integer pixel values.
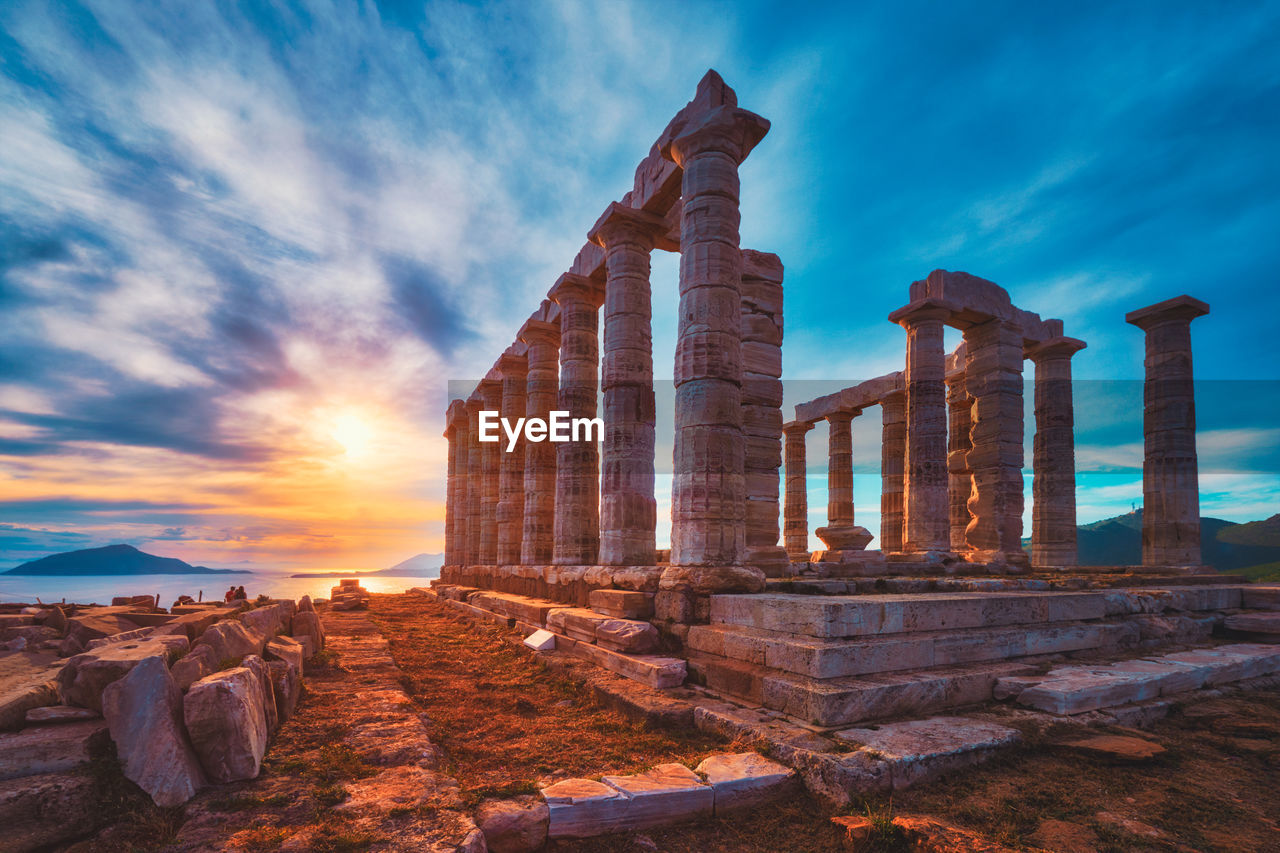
(762, 406)
(994, 381)
(490, 458)
(1170, 470)
(541, 389)
(960, 477)
(577, 509)
(926, 511)
(708, 511)
(893, 453)
(840, 469)
(514, 369)
(1053, 459)
(628, 508)
(796, 510)
(475, 478)
(455, 510)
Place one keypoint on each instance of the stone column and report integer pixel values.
(1053, 460)
(541, 390)
(993, 377)
(455, 510)
(708, 502)
(960, 478)
(577, 508)
(840, 469)
(796, 524)
(490, 458)
(628, 508)
(1170, 475)
(515, 369)
(762, 406)
(475, 478)
(893, 457)
(927, 517)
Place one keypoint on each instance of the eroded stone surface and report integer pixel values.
(227, 723)
(746, 779)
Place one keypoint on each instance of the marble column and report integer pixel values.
(796, 522)
(993, 377)
(762, 407)
(455, 511)
(541, 390)
(960, 477)
(577, 507)
(840, 469)
(475, 480)
(628, 508)
(490, 472)
(927, 516)
(1053, 459)
(515, 369)
(708, 502)
(893, 454)
(1170, 474)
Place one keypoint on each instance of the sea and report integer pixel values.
(100, 589)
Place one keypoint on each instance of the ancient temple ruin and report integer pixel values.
(562, 537)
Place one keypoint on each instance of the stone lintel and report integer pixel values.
(1179, 309)
(857, 397)
(797, 427)
(1055, 348)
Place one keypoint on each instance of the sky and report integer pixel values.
(245, 247)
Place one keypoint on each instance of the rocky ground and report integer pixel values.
(395, 742)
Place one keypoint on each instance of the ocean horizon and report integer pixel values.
(277, 583)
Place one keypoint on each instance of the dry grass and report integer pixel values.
(503, 718)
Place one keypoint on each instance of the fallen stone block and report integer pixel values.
(541, 640)
(60, 714)
(627, 635)
(1235, 662)
(17, 700)
(89, 625)
(744, 780)
(262, 673)
(123, 637)
(1074, 692)
(308, 644)
(286, 684)
(286, 649)
(307, 623)
(231, 640)
(518, 825)
(665, 794)
(227, 724)
(86, 675)
(33, 634)
(577, 623)
(50, 749)
(195, 665)
(40, 811)
(144, 713)
(653, 670)
(581, 808)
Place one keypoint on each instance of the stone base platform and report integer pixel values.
(560, 584)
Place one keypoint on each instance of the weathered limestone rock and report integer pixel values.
(144, 713)
(50, 749)
(541, 640)
(91, 625)
(262, 673)
(518, 825)
(269, 620)
(796, 522)
(514, 366)
(286, 686)
(40, 811)
(60, 714)
(231, 640)
(286, 649)
(667, 793)
(627, 635)
(1170, 478)
(308, 624)
(621, 603)
(308, 644)
(628, 509)
(581, 808)
(919, 750)
(195, 665)
(577, 506)
(893, 456)
(85, 676)
(926, 514)
(17, 700)
(227, 723)
(1053, 484)
(709, 491)
(745, 780)
(542, 389)
(1264, 626)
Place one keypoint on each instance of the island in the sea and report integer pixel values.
(419, 565)
(121, 560)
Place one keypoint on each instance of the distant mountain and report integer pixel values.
(112, 560)
(422, 565)
(1225, 545)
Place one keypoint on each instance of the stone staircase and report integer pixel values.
(836, 660)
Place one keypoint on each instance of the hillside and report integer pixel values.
(1225, 545)
(421, 565)
(120, 560)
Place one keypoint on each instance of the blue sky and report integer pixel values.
(243, 247)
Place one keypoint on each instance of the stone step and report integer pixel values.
(834, 617)
(1263, 627)
(844, 701)
(1076, 689)
(1261, 598)
(50, 748)
(531, 610)
(823, 658)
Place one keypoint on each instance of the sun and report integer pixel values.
(353, 432)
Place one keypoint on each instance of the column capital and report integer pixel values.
(1179, 309)
(842, 416)
(621, 222)
(923, 311)
(797, 427)
(455, 416)
(489, 389)
(475, 402)
(1055, 348)
(539, 332)
(513, 364)
(728, 129)
(573, 288)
